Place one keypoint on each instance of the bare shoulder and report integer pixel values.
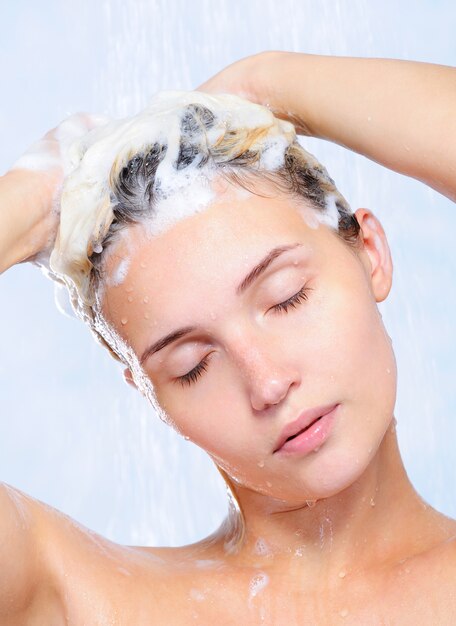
(59, 570)
(25, 580)
(432, 572)
(443, 557)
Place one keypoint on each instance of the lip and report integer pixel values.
(311, 438)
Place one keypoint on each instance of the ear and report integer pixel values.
(377, 258)
(129, 378)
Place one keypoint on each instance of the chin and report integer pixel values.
(330, 473)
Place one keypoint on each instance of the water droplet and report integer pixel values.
(186, 437)
(268, 484)
(123, 321)
(388, 371)
(295, 262)
(258, 583)
(146, 316)
(343, 613)
(197, 595)
(316, 449)
(311, 503)
(260, 463)
(342, 573)
(146, 299)
(261, 547)
(143, 264)
(130, 298)
(407, 570)
(372, 502)
(129, 289)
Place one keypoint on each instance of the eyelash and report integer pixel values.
(196, 372)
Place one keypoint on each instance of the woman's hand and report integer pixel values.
(30, 194)
(397, 113)
(259, 78)
(243, 78)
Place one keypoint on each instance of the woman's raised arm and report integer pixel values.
(29, 218)
(401, 114)
(26, 221)
(30, 193)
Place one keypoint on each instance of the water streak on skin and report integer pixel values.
(197, 595)
(20, 505)
(261, 547)
(257, 585)
(208, 563)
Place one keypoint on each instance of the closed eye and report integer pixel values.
(293, 301)
(192, 376)
(195, 373)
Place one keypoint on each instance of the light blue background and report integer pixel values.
(71, 432)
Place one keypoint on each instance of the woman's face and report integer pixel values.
(244, 365)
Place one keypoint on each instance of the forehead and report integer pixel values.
(237, 220)
(201, 255)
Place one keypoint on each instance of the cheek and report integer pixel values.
(365, 376)
(343, 352)
(212, 419)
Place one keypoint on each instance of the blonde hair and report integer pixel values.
(118, 174)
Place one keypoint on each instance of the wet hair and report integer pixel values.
(237, 158)
(212, 142)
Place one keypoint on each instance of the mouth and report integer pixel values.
(303, 430)
(308, 431)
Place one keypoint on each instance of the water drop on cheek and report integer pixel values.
(260, 463)
(143, 264)
(146, 299)
(129, 289)
(130, 298)
(123, 321)
(146, 316)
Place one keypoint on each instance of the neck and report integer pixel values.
(378, 518)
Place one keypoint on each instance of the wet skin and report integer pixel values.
(370, 551)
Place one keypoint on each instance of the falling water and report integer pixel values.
(65, 411)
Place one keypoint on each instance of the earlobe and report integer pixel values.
(375, 245)
(129, 378)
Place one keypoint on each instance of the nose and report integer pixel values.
(268, 374)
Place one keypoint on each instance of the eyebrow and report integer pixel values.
(252, 276)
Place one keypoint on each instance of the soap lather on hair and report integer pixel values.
(156, 167)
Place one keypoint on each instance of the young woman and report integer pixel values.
(222, 266)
